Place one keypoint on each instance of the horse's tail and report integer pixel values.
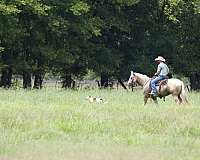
(183, 93)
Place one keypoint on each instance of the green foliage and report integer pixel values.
(112, 37)
(78, 8)
(126, 2)
(8, 9)
(1, 49)
(37, 6)
(91, 75)
(197, 6)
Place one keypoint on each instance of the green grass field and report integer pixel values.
(55, 124)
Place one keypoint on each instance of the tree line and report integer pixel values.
(110, 37)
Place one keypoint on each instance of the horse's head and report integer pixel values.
(132, 78)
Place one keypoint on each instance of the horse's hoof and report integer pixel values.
(153, 97)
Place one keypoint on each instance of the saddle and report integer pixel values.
(159, 84)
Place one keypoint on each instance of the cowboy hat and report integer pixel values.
(160, 58)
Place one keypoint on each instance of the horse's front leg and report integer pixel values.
(145, 99)
(155, 100)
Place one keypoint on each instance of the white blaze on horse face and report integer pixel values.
(131, 78)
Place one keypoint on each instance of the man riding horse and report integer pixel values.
(172, 86)
(161, 74)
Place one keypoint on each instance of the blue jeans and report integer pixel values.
(155, 81)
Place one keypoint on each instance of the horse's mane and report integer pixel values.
(141, 75)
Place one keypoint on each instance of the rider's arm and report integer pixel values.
(158, 71)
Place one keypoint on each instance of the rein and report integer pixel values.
(147, 82)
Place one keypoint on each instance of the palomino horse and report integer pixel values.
(175, 87)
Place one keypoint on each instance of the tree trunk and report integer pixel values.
(121, 83)
(67, 82)
(73, 84)
(104, 80)
(39, 72)
(195, 81)
(27, 80)
(38, 81)
(98, 83)
(6, 78)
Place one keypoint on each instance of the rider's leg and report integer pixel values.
(153, 84)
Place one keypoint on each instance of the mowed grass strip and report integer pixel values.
(62, 124)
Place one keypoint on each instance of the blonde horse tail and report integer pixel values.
(183, 93)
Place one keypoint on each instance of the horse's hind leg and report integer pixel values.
(185, 99)
(180, 100)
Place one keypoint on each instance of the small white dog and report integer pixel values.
(94, 99)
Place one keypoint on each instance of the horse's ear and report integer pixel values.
(131, 72)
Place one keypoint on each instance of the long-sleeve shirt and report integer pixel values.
(162, 69)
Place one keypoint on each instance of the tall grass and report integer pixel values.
(59, 124)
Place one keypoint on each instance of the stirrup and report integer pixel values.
(153, 95)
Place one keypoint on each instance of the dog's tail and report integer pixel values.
(106, 102)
